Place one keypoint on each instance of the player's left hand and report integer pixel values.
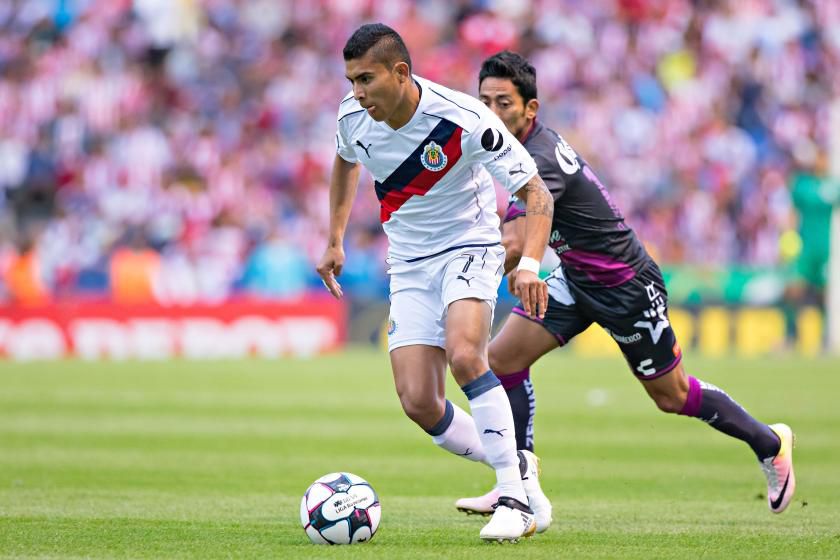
(531, 291)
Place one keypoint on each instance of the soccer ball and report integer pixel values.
(340, 508)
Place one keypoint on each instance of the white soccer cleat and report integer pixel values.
(529, 468)
(480, 505)
(511, 521)
(781, 482)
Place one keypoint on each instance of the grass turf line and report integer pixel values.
(209, 460)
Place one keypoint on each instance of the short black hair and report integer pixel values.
(388, 46)
(514, 67)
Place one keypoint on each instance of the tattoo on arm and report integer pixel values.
(538, 198)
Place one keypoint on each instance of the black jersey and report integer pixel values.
(596, 247)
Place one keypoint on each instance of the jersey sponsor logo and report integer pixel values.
(433, 157)
(492, 140)
(566, 157)
(504, 152)
(656, 313)
(631, 339)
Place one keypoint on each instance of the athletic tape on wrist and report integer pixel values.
(527, 263)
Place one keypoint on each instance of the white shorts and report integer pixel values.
(422, 291)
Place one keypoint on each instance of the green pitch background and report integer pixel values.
(209, 460)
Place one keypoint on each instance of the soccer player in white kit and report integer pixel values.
(429, 150)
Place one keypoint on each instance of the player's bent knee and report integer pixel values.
(423, 412)
(466, 363)
(672, 404)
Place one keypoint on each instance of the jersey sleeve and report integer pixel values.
(550, 173)
(342, 146)
(500, 152)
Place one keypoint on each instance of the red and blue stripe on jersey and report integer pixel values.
(411, 178)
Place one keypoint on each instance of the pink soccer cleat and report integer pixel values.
(781, 482)
(480, 505)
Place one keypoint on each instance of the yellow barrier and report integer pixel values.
(719, 331)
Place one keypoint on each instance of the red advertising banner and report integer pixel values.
(233, 329)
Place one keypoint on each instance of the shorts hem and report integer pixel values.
(437, 342)
(668, 369)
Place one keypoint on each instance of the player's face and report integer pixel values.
(376, 87)
(501, 97)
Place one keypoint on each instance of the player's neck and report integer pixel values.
(407, 108)
(527, 131)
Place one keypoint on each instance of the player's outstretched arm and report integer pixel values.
(343, 184)
(539, 211)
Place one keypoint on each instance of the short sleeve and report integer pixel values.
(343, 147)
(551, 174)
(500, 152)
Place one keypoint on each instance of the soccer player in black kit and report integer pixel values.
(605, 276)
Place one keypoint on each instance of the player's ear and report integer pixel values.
(401, 69)
(531, 108)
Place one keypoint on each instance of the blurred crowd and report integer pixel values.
(180, 150)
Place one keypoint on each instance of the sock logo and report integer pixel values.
(497, 432)
(466, 453)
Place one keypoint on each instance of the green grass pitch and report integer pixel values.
(209, 460)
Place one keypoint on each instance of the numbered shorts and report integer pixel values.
(634, 314)
(421, 291)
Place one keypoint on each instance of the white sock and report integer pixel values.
(494, 424)
(461, 437)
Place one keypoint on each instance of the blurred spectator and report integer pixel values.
(200, 122)
(24, 279)
(276, 268)
(815, 196)
(135, 268)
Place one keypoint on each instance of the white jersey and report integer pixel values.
(432, 181)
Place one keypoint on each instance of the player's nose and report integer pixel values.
(358, 92)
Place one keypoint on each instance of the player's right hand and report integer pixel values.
(532, 293)
(330, 266)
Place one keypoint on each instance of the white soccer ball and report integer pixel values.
(340, 508)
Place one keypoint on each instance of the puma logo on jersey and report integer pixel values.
(466, 453)
(362, 146)
(465, 279)
(517, 171)
(497, 432)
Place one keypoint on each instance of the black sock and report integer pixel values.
(713, 406)
(523, 405)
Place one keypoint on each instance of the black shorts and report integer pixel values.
(634, 314)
